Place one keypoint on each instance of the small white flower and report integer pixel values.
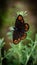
(23, 13)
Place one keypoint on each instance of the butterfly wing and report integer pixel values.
(26, 27)
(18, 36)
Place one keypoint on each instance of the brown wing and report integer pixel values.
(24, 36)
(16, 38)
(26, 27)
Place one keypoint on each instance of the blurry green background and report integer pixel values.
(8, 13)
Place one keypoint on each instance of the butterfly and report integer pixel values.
(20, 30)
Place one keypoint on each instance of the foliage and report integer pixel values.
(21, 54)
